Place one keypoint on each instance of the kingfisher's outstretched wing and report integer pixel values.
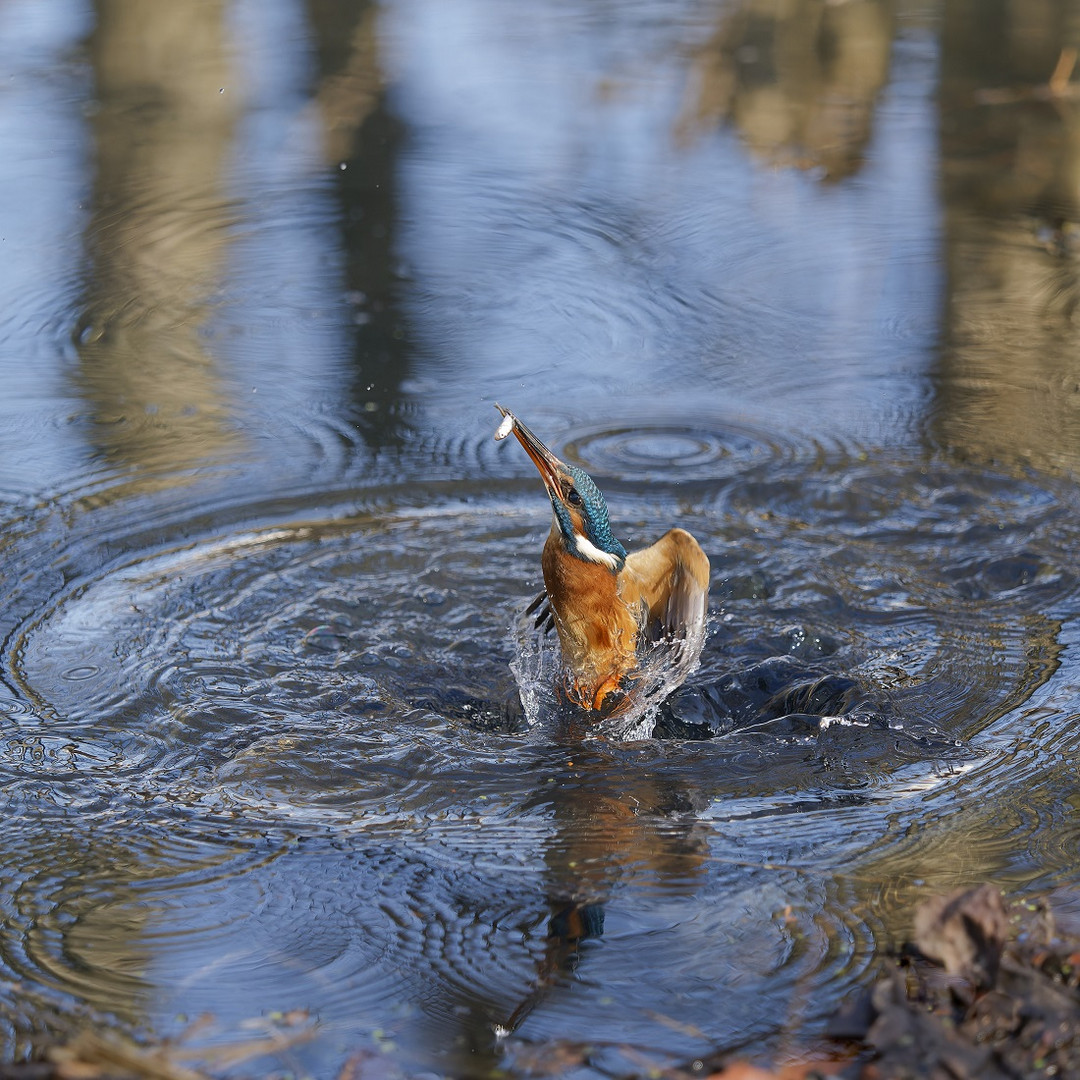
(670, 580)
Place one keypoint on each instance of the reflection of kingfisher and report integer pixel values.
(605, 603)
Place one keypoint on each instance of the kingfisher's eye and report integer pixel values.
(573, 498)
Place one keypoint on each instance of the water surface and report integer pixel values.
(802, 284)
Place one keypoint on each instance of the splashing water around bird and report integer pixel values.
(538, 670)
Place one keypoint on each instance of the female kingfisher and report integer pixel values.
(607, 604)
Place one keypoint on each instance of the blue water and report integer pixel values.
(801, 285)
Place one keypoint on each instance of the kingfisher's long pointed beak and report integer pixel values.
(549, 466)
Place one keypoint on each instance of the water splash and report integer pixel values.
(664, 666)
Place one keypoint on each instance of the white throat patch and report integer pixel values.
(588, 550)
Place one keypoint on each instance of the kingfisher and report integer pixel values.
(608, 605)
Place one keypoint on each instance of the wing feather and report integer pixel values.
(671, 580)
(540, 609)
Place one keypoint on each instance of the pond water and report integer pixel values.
(801, 278)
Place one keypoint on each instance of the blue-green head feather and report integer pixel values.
(580, 497)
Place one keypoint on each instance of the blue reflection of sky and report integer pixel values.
(279, 334)
(43, 182)
(558, 238)
(565, 243)
(283, 327)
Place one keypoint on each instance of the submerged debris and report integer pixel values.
(1005, 1007)
(94, 1055)
(965, 932)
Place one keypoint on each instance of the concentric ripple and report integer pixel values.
(285, 751)
(672, 452)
